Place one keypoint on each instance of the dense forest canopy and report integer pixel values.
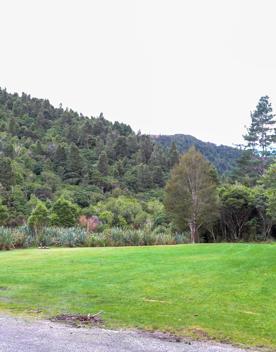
(60, 168)
(47, 152)
(221, 156)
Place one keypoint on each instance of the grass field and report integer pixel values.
(225, 291)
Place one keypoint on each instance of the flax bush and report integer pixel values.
(24, 236)
(6, 238)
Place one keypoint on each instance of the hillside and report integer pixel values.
(46, 152)
(221, 156)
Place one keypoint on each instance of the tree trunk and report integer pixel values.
(194, 233)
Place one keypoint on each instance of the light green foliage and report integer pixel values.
(122, 211)
(157, 212)
(271, 205)
(268, 180)
(39, 217)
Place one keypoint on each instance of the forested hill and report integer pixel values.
(46, 152)
(222, 156)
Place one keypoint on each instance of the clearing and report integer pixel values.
(221, 291)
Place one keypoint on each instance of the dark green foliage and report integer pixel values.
(237, 204)
(261, 133)
(247, 169)
(7, 176)
(74, 166)
(103, 164)
(173, 155)
(222, 157)
(260, 145)
(64, 213)
(4, 215)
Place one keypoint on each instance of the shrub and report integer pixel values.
(6, 238)
(23, 236)
(117, 236)
(72, 237)
(39, 217)
(64, 213)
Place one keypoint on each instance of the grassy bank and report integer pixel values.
(226, 291)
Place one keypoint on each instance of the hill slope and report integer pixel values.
(221, 156)
(46, 152)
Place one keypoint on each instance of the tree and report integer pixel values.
(64, 213)
(191, 193)
(39, 217)
(271, 206)
(60, 157)
(261, 133)
(7, 177)
(173, 155)
(12, 126)
(247, 169)
(74, 165)
(262, 200)
(146, 149)
(236, 203)
(4, 214)
(144, 177)
(103, 163)
(268, 180)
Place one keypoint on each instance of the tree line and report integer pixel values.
(240, 207)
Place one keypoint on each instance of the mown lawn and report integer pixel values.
(227, 291)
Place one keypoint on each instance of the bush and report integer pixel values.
(6, 238)
(117, 236)
(24, 236)
(72, 237)
(64, 213)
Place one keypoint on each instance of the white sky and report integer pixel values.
(163, 66)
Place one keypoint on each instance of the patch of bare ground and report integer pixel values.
(79, 320)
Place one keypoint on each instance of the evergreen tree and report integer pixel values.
(86, 135)
(60, 158)
(173, 155)
(4, 214)
(13, 126)
(74, 165)
(247, 169)
(261, 133)
(144, 177)
(103, 163)
(7, 177)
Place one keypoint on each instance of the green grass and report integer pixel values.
(227, 291)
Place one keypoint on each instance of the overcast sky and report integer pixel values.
(163, 66)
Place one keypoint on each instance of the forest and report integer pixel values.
(69, 179)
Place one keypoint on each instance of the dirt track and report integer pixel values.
(21, 335)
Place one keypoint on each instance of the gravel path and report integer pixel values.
(22, 335)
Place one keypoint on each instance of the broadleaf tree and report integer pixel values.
(191, 198)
